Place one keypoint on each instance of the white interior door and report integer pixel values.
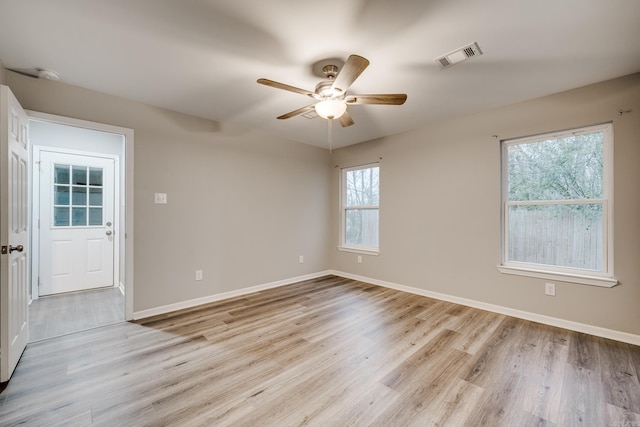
(14, 232)
(76, 222)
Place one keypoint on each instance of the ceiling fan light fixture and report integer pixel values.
(330, 108)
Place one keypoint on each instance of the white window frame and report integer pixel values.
(343, 246)
(604, 278)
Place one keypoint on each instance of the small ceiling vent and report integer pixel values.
(459, 55)
(311, 114)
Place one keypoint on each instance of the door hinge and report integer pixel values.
(4, 250)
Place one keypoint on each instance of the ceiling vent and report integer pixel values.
(311, 114)
(459, 55)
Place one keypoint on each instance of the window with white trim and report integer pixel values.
(557, 205)
(360, 201)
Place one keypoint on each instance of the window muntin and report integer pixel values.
(557, 202)
(360, 207)
(77, 196)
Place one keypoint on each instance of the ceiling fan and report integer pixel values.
(331, 94)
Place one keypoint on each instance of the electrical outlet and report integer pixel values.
(198, 274)
(359, 259)
(550, 289)
(301, 259)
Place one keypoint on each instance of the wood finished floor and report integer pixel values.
(56, 315)
(326, 352)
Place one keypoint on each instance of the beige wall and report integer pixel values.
(242, 206)
(440, 206)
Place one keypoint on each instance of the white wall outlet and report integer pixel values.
(550, 289)
(161, 198)
(198, 274)
(359, 259)
(301, 259)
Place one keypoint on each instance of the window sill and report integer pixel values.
(605, 282)
(364, 251)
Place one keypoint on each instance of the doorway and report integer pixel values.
(81, 183)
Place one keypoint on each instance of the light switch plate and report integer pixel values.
(161, 198)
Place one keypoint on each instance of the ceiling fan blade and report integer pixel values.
(345, 119)
(29, 72)
(383, 99)
(350, 71)
(297, 112)
(283, 86)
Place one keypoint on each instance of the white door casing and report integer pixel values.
(14, 232)
(77, 222)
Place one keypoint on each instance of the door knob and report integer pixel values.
(108, 233)
(18, 248)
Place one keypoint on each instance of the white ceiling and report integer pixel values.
(203, 57)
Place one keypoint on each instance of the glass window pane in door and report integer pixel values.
(79, 196)
(95, 176)
(79, 216)
(95, 216)
(95, 196)
(79, 175)
(60, 195)
(61, 217)
(61, 174)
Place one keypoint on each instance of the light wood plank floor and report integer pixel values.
(56, 315)
(326, 352)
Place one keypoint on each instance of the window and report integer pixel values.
(359, 205)
(557, 206)
(77, 196)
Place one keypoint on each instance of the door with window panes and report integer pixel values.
(76, 222)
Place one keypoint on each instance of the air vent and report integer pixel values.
(459, 55)
(311, 114)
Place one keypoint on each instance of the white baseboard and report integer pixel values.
(539, 318)
(121, 287)
(534, 317)
(225, 295)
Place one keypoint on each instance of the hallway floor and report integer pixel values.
(56, 315)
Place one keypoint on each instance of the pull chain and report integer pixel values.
(330, 135)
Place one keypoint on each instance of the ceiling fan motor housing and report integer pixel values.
(325, 89)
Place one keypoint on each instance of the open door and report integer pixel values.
(14, 233)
